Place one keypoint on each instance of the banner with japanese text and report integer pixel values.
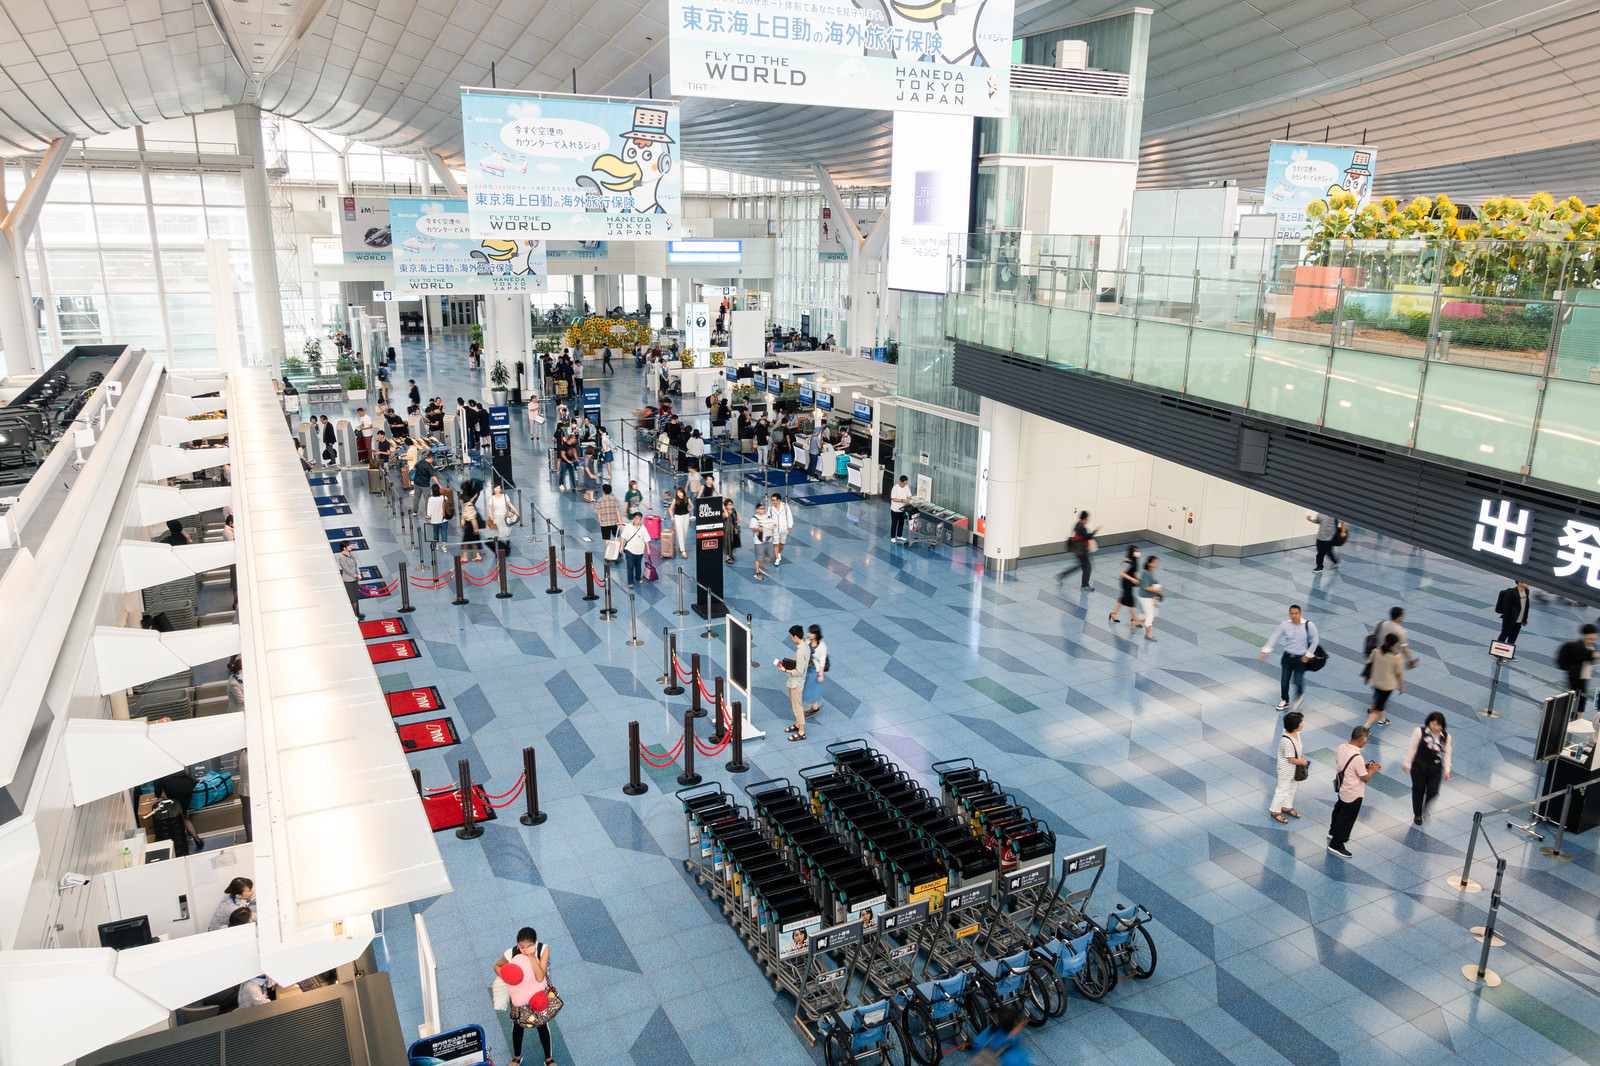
(1298, 173)
(569, 168)
(434, 251)
(948, 57)
(364, 229)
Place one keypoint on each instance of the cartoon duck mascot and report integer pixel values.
(645, 161)
(501, 257)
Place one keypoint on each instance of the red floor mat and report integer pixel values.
(444, 810)
(392, 650)
(383, 627)
(414, 701)
(433, 733)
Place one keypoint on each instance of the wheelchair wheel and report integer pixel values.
(836, 1049)
(920, 1034)
(980, 1007)
(892, 1050)
(1141, 956)
(1045, 993)
(1098, 975)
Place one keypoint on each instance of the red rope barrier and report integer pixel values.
(514, 788)
(437, 791)
(527, 572)
(441, 583)
(707, 693)
(710, 751)
(570, 573)
(671, 756)
(513, 796)
(491, 576)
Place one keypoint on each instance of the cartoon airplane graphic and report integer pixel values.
(500, 257)
(645, 161)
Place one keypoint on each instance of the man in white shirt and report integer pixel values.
(899, 497)
(1353, 773)
(1299, 638)
(782, 523)
(363, 434)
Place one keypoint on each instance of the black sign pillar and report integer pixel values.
(708, 557)
(500, 445)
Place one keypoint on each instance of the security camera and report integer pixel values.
(73, 881)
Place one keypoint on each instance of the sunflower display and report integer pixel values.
(593, 334)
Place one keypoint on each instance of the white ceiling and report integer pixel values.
(1434, 83)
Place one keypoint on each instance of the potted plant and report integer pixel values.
(344, 364)
(312, 350)
(499, 383)
(355, 388)
(476, 334)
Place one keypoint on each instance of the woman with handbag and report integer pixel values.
(1428, 762)
(1387, 672)
(1150, 596)
(534, 1000)
(1293, 768)
(1081, 544)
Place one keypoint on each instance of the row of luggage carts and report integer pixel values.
(900, 920)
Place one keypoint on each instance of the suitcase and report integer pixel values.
(669, 542)
(375, 476)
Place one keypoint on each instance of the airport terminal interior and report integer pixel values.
(1068, 401)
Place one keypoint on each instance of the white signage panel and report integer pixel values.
(930, 188)
(697, 326)
(950, 58)
(364, 229)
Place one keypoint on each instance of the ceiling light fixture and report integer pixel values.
(244, 22)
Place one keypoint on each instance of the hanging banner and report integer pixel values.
(565, 168)
(950, 58)
(364, 229)
(930, 184)
(697, 328)
(434, 251)
(832, 234)
(1298, 173)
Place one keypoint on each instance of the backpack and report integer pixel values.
(449, 504)
(1568, 656)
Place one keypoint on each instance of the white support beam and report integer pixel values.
(127, 657)
(178, 972)
(105, 756)
(184, 430)
(162, 462)
(447, 179)
(145, 564)
(154, 504)
(35, 983)
(187, 385)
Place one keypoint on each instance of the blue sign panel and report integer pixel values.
(825, 401)
(863, 412)
(805, 395)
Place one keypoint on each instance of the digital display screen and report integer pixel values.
(699, 251)
(930, 170)
(806, 395)
(825, 401)
(863, 412)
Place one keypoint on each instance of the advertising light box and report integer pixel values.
(774, 384)
(571, 168)
(682, 252)
(806, 395)
(950, 58)
(1298, 173)
(863, 412)
(930, 184)
(758, 381)
(825, 401)
(364, 229)
(434, 251)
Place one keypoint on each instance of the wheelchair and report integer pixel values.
(1128, 942)
(1021, 981)
(935, 1016)
(864, 1035)
(1063, 960)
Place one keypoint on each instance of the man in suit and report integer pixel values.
(1512, 607)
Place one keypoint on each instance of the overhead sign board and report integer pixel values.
(1298, 173)
(950, 58)
(682, 252)
(930, 184)
(697, 326)
(434, 251)
(364, 229)
(571, 168)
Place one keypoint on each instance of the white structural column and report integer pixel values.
(1002, 538)
(17, 333)
(258, 217)
(507, 330)
(865, 268)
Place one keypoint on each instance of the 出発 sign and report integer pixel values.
(949, 57)
(562, 168)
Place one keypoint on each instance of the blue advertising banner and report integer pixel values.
(577, 250)
(1298, 173)
(434, 251)
(950, 57)
(570, 168)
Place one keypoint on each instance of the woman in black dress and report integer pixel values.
(1130, 581)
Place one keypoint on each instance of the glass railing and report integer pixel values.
(1481, 352)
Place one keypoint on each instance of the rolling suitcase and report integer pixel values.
(669, 542)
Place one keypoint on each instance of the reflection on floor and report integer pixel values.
(1271, 949)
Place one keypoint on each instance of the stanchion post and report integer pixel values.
(530, 778)
(461, 592)
(1554, 851)
(737, 765)
(503, 558)
(608, 612)
(416, 779)
(1481, 974)
(634, 787)
(405, 591)
(554, 588)
(1472, 845)
(673, 688)
(721, 708)
(589, 594)
(681, 609)
(470, 829)
(688, 777)
(633, 619)
(695, 706)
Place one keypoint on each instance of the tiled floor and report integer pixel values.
(1271, 949)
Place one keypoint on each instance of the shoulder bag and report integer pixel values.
(1300, 772)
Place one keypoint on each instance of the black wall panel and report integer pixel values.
(1421, 500)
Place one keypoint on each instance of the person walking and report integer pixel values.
(1387, 670)
(605, 361)
(811, 695)
(350, 574)
(1300, 639)
(1003, 1038)
(1576, 658)
(763, 436)
(591, 473)
(1150, 596)
(796, 669)
(1351, 785)
(330, 444)
(1329, 529)
(608, 513)
(607, 455)
(1394, 624)
(1293, 767)
(502, 516)
(633, 499)
(1512, 607)
(438, 527)
(782, 526)
(414, 394)
(899, 498)
(529, 962)
(635, 542)
(363, 434)
(731, 539)
(682, 510)
(761, 536)
(1080, 544)
(1129, 575)
(1428, 762)
(471, 526)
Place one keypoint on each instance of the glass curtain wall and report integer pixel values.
(925, 373)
